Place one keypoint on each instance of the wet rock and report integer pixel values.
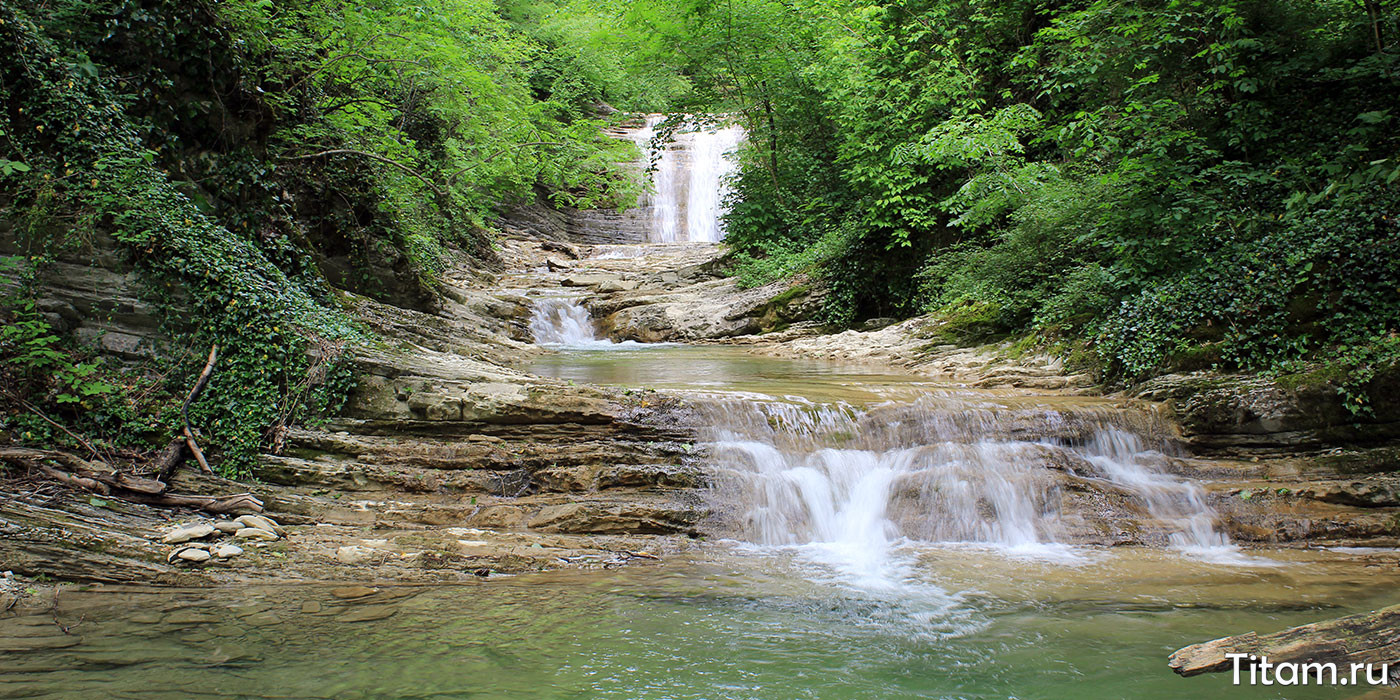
(21, 644)
(615, 518)
(186, 533)
(366, 613)
(1378, 491)
(353, 592)
(255, 533)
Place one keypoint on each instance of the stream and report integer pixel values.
(874, 536)
(886, 537)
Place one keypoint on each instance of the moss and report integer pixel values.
(786, 296)
(967, 323)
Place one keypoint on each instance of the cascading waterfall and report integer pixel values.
(851, 484)
(711, 165)
(562, 321)
(690, 180)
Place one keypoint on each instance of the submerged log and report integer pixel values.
(1368, 638)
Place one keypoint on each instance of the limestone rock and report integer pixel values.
(226, 551)
(261, 522)
(196, 531)
(255, 533)
(193, 554)
(355, 555)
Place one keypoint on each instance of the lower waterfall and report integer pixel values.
(850, 485)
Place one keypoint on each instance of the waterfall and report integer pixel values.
(854, 484)
(1123, 459)
(690, 180)
(711, 165)
(564, 322)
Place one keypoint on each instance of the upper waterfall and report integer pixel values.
(690, 179)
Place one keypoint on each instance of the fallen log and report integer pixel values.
(1368, 638)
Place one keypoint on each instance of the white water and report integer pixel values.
(563, 322)
(855, 489)
(690, 181)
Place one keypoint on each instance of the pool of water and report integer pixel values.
(730, 621)
(736, 623)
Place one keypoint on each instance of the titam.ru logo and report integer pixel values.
(1250, 669)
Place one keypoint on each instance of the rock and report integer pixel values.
(1368, 638)
(310, 607)
(352, 592)
(617, 286)
(226, 551)
(18, 644)
(354, 555)
(255, 533)
(228, 527)
(366, 613)
(587, 280)
(197, 531)
(261, 522)
(192, 554)
(558, 247)
(876, 324)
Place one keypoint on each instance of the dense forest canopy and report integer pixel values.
(1143, 186)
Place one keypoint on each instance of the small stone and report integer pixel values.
(225, 551)
(311, 607)
(184, 534)
(228, 527)
(193, 555)
(255, 533)
(261, 522)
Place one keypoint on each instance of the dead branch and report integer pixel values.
(94, 478)
(185, 408)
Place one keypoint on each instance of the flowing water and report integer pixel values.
(690, 179)
(876, 537)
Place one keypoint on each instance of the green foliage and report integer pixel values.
(1178, 183)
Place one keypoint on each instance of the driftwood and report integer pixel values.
(1368, 638)
(170, 458)
(103, 480)
(185, 408)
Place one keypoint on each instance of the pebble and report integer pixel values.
(255, 533)
(228, 527)
(311, 607)
(194, 555)
(224, 551)
(184, 534)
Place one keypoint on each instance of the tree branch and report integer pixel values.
(373, 156)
